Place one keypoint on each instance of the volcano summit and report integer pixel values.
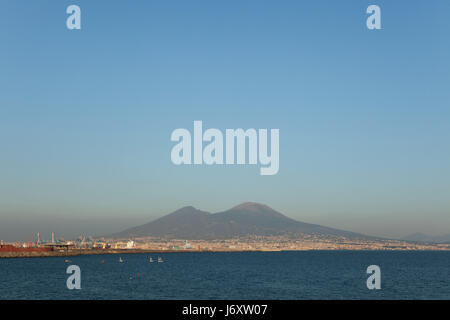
(245, 219)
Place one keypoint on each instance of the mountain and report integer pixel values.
(245, 219)
(421, 237)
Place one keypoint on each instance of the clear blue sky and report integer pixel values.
(86, 115)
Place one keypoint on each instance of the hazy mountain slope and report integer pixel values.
(420, 237)
(245, 219)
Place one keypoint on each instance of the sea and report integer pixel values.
(290, 275)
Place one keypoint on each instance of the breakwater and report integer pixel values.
(78, 252)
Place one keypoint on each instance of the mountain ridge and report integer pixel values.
(248, 218)
(426, 238)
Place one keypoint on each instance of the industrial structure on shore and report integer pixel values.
(38, 245)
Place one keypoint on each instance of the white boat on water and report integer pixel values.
(151, 260)
(160, 259)
(120, 259)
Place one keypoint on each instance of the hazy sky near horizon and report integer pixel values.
(86, 115)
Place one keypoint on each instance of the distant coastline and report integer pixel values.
(80, 252)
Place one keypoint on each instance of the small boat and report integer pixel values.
(67, 261)
(160, 259)
(102, 261)
(120, 259)
(151, 260)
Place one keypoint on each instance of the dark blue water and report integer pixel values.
(256, 275)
